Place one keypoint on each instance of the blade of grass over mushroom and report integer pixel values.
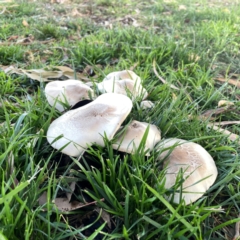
(170, 208)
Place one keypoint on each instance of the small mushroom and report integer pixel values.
(131, 138)
(125, 87)
(120, 75)
(69, 91)
(198, 168)
(146, 104)
(86, 125)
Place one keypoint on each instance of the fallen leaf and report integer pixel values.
(13, 38)
(70, 73)
(72, 188)
(225, 103)
(76, 13)
(167, 13)
(43, 198)
(193, 57)
(230, 81)
(105, 216)
(182, 7)
(25, 23)
(29, 57)
(216, 111)
(42, 75)
(64, 205)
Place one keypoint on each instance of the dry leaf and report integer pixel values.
(76, 13)
(230, 81)
(193, 57)
(225, 103)
(29, 57)
(182, 7)
(41, 75)
(70, 73)
(25, 23)
(65, 206)
(8, 69)
(174, 96)
(43, 198)
(105, 216)
(72, 188)
(160, 78)
(13, 38)
(217, 111)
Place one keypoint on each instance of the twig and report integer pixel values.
(160, 78)
(237, 226)
(217, 111)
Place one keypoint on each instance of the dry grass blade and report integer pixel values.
(11, 169)
(230, 81)
(160, 78)
(230, 135)
(216, 111)
(26, 43)
(224, 123)
(237, 226)
(134, 66)
(4, 9)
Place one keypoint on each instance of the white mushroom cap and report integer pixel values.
(130, 139)
(124, 87)
(120, 75)
(198, 168)
(86, 125)
(69, 91)
(146, 104)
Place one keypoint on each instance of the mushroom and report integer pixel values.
(130, 139)
(125, 87)
(87, 125)
(125, 74)
(69, 91)
(146, 104)
(198, 168)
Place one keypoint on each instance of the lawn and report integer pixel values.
(187, 54)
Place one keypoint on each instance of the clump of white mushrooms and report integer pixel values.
(77, 129)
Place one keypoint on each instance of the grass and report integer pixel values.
(192, 44)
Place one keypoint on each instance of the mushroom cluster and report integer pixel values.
(76, 130)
